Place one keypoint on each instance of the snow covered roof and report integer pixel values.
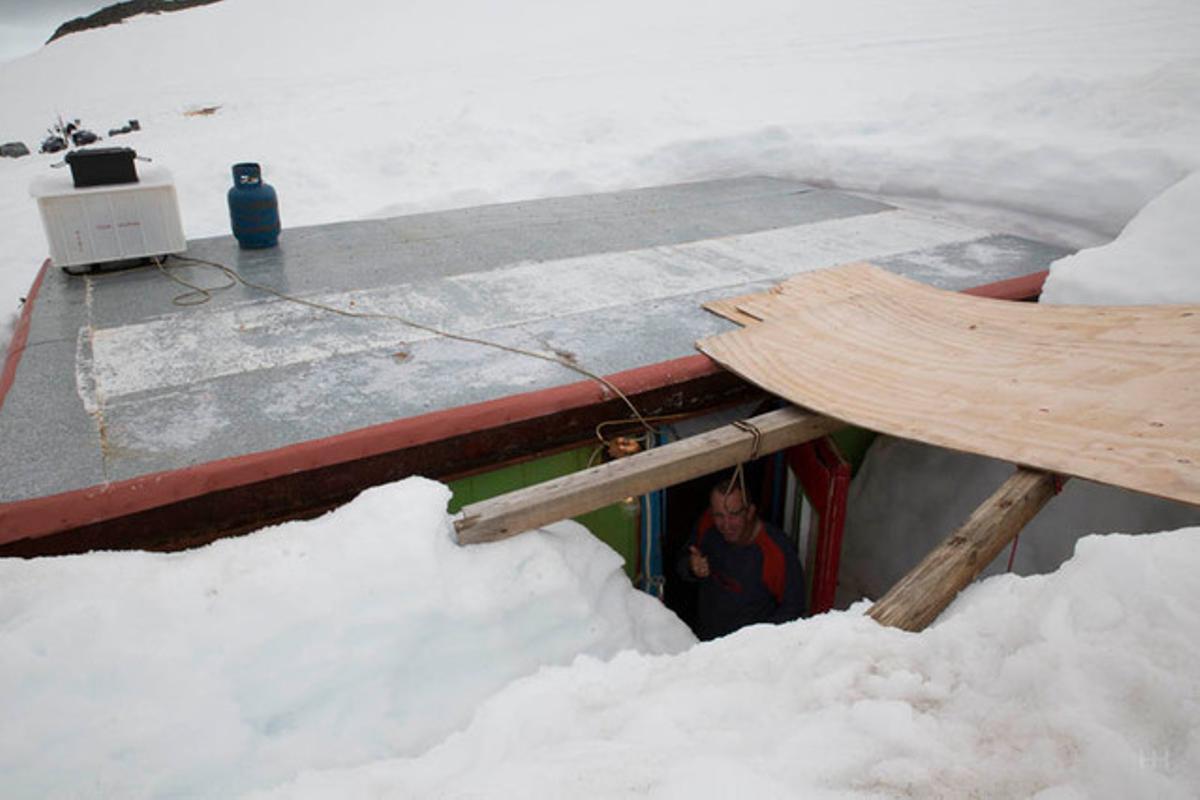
(117, 382)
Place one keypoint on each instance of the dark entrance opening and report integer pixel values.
(687, 504)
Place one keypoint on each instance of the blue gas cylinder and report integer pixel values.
(253, 208)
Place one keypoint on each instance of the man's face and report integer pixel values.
(732, 516)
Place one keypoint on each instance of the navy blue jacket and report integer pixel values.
(762, 581)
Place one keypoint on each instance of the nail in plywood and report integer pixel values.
(1111, 394)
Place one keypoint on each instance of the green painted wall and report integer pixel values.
(853, 444)
(615, 526)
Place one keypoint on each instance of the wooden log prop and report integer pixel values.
(590, 489)
(917, 599)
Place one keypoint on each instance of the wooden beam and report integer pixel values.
(587, 490)
(915, 602)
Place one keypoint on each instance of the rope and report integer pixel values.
(752, 429)
(205, 294)
(1059, 483)
(739, 472)
(1013, 553)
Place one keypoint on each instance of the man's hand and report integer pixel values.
(697, 562)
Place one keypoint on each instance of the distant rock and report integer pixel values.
(118, 12)
(53, 144)
(130, 127)
(83, 136)
(13, 150)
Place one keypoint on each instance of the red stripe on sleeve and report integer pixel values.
(774, 568)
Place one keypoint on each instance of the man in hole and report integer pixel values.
(747, 569)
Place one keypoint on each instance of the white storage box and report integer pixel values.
(109, 223)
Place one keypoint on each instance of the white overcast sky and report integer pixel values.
(25, 25)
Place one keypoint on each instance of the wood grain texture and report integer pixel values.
(587, 490)
(921, 595)
(1105, 393)
(730, 307)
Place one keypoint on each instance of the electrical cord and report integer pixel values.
(643, 440)
(658, 418)
(198, 295)
(203, 293)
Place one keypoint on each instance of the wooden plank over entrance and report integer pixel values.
(1111, 394)
(579, 492)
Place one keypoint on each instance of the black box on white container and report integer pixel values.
(102, 166)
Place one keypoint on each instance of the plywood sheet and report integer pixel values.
(730, 307)
(1106, 393)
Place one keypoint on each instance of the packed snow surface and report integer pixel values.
(1076, 111)
(363, 654)
(331, 659)
(1079, 684)
(365, 634)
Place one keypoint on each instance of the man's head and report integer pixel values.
(733, 516)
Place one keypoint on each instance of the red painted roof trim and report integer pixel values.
(1026, 287)
(45, 515)
(41, 516)
(20, 335)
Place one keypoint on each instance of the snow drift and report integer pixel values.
(363, 634)
(1077, 684)
(1156, 258)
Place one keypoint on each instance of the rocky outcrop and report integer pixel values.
(111, 15)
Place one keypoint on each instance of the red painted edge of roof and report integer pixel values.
(1025, 287)
(16, 345)
(41, 516)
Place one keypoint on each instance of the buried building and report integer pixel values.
(493, 348)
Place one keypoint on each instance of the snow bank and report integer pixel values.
(1072, 685)
(1156, 259)
(330, 658)
(364, 634)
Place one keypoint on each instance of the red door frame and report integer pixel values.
(824, 475)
